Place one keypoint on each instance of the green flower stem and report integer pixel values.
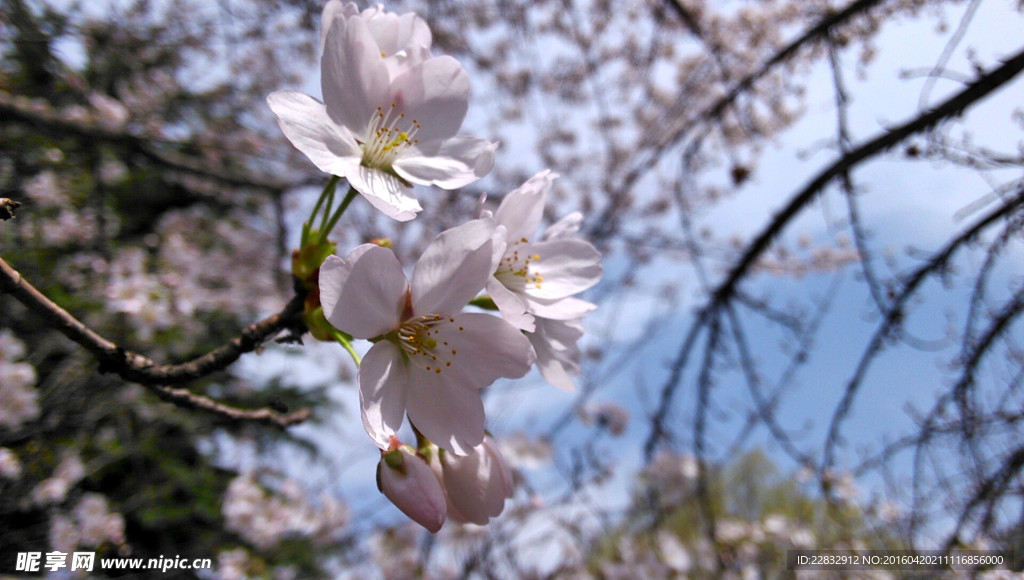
(346, 341)
(341, 209)
(332, 186)
(326, 194)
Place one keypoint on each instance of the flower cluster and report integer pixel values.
(19, 401)
(91, 525)
(54, 489)
(389, 120)
(265, 520)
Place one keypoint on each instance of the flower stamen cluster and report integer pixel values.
(388, 141)
(419, 341)
(514, 270)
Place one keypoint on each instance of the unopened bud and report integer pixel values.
(409, 483)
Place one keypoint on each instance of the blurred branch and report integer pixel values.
(666, 141)
(42, 116)
(723, 294)
(952, 107)
(895, 314)
(140, 369)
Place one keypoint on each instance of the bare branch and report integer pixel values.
(140, 369)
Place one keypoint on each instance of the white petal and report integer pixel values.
(565, 227)
(435, 93)
(482, 349)
(566, 267)
(333, 276)
(453, 268)
(499, 240)
(334, 9)
(397, 32)
(399, 62)
(371, 292)
(353, 77)
(385, 192)
(448, 164)
(559, 308)
(511, 305)
(305, 123)
(475, 484)
(383, 385)
(558, 356)
(447, 413)
(522, 210)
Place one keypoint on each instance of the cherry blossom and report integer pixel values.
(391, 111)
(428, 360)
(534, 283)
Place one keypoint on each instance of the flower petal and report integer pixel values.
(383, 386)
(477, 484)
(334, 9)
(385, 192)
(565, 267)
(371, 290)
(522, 210)
(453, 268)
(448, 164)
(559, 308)
(558, 356)
(353, 76)
(482, 349)
(511, 305)
(446, 412)
(434, 93)
(396, 32)
(565, 227)
(333, 276)
(305, 123)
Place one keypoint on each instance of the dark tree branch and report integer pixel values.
(728, 288)
(140, 369)
(952, 107)
(895, 314)
(45, 119)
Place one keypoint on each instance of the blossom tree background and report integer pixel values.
(807, 332)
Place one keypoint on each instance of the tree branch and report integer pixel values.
(952, 107)
(45, 118)
(140, 369)
(727, 289)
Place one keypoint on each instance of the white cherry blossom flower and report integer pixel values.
(429, 359)
(534, 283)
(389, 119)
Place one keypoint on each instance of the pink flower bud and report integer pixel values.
(411, 485)
(477, 484)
